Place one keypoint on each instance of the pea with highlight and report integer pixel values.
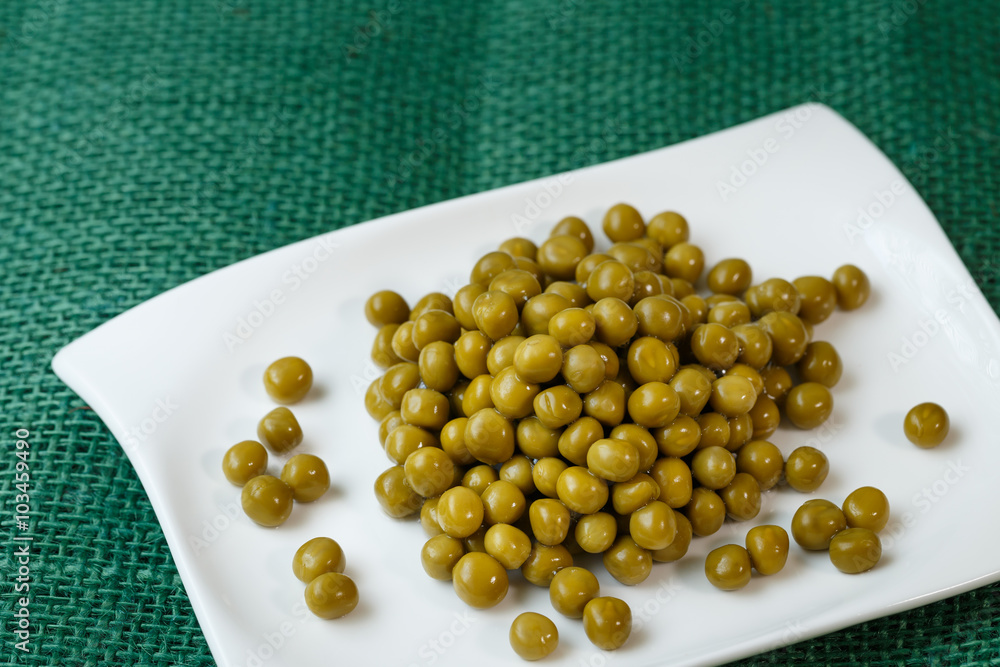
(429, 471)
(855, 550)
(502, 503)
(741, 497)
(545, 474)
(816, 522)
(926, 425)
(425, 408)
(460, 512)
(693, 389)
(733, 395)
(489, 436)
(653, 526)
(536, 440)
(307, 476)
(728, 567)
(267, 500)
(714, 467)
(511, 395)
(395, 495)
(852, 285)
(765, 417)
(730, 276)
(653, 405)
(495, 313)
(510, 545)
(634, 494)
(517, 471)
(715, 346)
(382, 353)
(439, 556)
(478, 478)
(641, 439)
(581, 490)
(438, 366)
(432, 301)
(806, 469)
(480, 580)
(280, 430)
(715, 431)
(596, 532)
(821, 364)
(818, 298)
(763, 460)
(398, 380)
(674, 478)
(606, 404)
(755, 345)
(559, 255)
(574, 226)
(607, 622)
(501, 354)
(544, 562)
(571, 589)
(402, 342)
(623, 223)
(577, 438)
(808, 404)
(386, 307)
(613, 460)
(557, 406)
(583, 368)
(615, 323)
(611, 278)
(768, 548)
(550, 521)
(331, 595)
(520, 284)
(650, 359)
(627, 562)
(678, 438)
(533, 636)
(684, 260)
(490, 265)
(774, 294)
(866, 507)
(668, 228)
(678, 548)
(538, 358)
(288, 380)
(788, 336)
(406, 439)
(435, 325)
(572, 326)
(706, 511)
(318, 556)
(244, 461)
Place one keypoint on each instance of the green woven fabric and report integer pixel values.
(145, 143)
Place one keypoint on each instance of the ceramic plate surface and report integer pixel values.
(178, 380)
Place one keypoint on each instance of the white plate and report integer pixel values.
(176, 390)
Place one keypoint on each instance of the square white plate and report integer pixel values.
(178, 380)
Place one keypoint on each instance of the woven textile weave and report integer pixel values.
(145, 143)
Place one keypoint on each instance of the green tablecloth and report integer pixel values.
(145, 143)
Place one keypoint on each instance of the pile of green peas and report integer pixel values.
(320, 565)
(567, 401)
(267, 499)
(849, 532)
